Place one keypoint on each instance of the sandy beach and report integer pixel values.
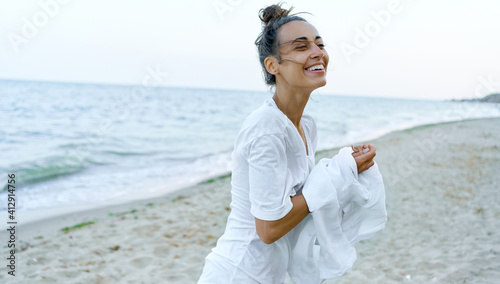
(443, 203)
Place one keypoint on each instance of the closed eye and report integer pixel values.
(305, 46)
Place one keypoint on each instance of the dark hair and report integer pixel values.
(272, 17)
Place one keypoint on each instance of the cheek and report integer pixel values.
(326, 57)
(297, 58)
(293, 71)
(298, 69)
(302, 58)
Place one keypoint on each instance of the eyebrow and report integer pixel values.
(303, 39)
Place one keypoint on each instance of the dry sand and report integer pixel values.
(443, 202)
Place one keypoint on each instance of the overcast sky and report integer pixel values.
(408, 49)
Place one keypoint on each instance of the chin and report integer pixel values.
(313, 87)
(320, 84)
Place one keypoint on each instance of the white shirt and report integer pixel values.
(270, 165)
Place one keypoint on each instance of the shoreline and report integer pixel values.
(443, 221)
(42, 219)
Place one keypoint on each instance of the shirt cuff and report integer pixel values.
(272, 215)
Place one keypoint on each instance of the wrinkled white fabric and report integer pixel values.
(345, 209)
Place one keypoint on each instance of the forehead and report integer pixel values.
(296, 29)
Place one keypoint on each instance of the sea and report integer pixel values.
(72, 145)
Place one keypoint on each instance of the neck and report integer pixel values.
(291, 102)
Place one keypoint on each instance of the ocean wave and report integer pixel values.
(46, 169)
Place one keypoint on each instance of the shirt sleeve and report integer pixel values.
(267, 162)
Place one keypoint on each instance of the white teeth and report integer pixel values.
(316, 67)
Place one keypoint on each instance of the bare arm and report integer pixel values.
(271, 231)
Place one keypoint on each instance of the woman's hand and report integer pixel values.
(363, 155)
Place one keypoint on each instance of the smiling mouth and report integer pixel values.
(316, 68)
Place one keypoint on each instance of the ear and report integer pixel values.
(271, 64)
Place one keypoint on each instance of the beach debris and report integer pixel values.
(122, 214)
(77, 226)
(114, 248)
(98, 251)
(24, 246)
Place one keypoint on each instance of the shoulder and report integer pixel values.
(266, 120)
(265, 127)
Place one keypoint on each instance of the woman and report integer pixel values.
(273, 155)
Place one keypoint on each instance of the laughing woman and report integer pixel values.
(273, 156)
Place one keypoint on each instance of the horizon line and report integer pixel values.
(220, 89)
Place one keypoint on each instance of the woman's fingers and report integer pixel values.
(365, 166)
(357, 151)
(368, 156)
(365, 160)
(362, 148)
(357, 148)
(371, 151)
(371, 148)
(357, 154)
(370, 164)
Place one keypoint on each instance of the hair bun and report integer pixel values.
(272, 13)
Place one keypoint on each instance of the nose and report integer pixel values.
(317, 52)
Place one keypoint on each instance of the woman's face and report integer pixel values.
(303, 58)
